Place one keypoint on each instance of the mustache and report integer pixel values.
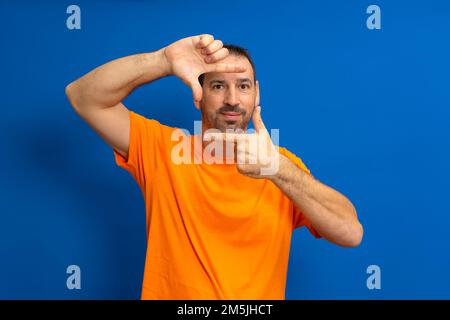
(228, 108)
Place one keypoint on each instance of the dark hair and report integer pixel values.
(237, 51)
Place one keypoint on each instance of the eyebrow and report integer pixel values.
(223, 81)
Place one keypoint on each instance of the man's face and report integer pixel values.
(229, 98)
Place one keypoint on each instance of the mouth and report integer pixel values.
(233, 116)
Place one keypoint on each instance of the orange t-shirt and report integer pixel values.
(212, 233)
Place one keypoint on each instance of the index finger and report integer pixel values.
(225, 67)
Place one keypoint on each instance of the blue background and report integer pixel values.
(367, 111)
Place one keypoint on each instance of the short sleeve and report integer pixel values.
(299, 220)
(143, 150)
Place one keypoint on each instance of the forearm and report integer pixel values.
(330, 212)
(110, 83)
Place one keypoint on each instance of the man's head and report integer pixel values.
(229, 98)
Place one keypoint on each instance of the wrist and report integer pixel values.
(164, 62)
(279, 174)
(154, 64)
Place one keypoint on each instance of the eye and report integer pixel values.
(217, 86)
(244, 86)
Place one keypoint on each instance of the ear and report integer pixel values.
(197, 104)
(257, 102)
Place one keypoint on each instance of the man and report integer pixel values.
(215, 229)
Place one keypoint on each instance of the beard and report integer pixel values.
(226, 118)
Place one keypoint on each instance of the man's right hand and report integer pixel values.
(97, 96)
(190, 57)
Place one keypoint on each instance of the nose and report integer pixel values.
(231, 97)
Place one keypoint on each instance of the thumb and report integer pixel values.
(258, 124)
(197, 90)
